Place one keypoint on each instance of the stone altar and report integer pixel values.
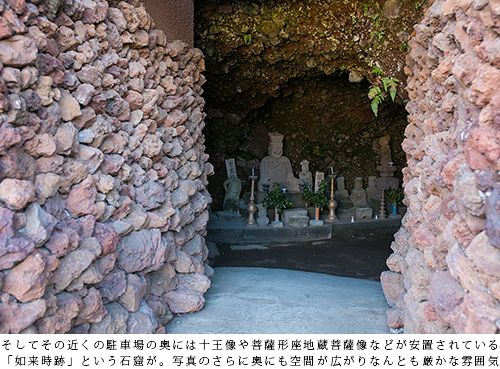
(277, 168)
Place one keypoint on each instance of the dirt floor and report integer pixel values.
(355, 257)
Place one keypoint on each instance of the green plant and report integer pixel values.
(404, 47)
(317, 199)
(277, 199)
(353, 18)
(247, 39)
(395, 196)
(365, 9)
(380, 88)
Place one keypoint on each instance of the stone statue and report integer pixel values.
(277, 168)
(358, 194)
(232, 185)
(386, 167)
(371, 191)
(359, 201)
(305, 175)
(342, 195)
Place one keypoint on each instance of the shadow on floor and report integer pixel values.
(355, 257)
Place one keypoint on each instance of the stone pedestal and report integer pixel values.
(298, 221)
(277, 224)
(288, 213)
(362, 213)
(315, 223)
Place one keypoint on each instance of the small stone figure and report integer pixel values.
(359, 201)
(358, 194)
(305, 175)
(262, 218)
(371, 191)
(386, 167)
(342, 195)
(232, 185)
(277, 168)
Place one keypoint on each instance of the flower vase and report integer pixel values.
(394, 208)
(316, 213)
(276, 215)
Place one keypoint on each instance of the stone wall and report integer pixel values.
(446, 261)
(102, 170)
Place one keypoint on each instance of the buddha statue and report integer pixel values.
(277, 168)
(305, 175)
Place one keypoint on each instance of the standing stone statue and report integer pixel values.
(359, 201)
(305, 175)
(342, 195)
(277, 168)
(371, 191)
(386, 167)
(232, 186)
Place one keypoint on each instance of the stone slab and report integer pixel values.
(288, 213)
(316, 223)
(297, 221)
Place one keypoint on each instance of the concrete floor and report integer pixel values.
(276, 301)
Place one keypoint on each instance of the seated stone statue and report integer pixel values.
(342, 195)
(277, 168)
(359, 201)
(358, 194)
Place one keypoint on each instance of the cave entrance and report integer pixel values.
(304, 69)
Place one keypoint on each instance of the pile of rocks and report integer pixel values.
(446, 261)
(102, 170)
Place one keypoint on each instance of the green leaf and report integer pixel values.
(392, 92)
(377, 70)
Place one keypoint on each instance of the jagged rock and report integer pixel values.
(163, 280)
(73, 265)
(141, 251)
(134, 292)
(142, 321)
(393, 287)
(107, 237)
(188, 296)
(68, 307)
(115, 321)
(27, 280)
(46, 185)
(40, 145)
(39, 224)
(112, 286)
(16, 317)
(17, 51)
(150, 195)
(16, 194)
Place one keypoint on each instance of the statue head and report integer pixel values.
(358, 183)
(340, 183)
(305, 165)
(275, 145)
(385, 140)
(371, 181)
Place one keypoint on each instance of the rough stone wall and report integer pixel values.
(102, 170)
(446, 261)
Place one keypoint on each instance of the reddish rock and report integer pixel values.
(492, 211)
(163, 280)
(141, 251)
(17, 51)
(39, 224)
(160, 309)
(135, 291)
(58, 244)
(17, 164)
(107, 237)
(40, 145)
(112, 164)
(150, 195)
(68, 307)
(115, 321)
(393, 287)
(9, 136)
(188, 297)
(484, 256)
(395, 318)
(81, 199)
(482, 150)
(424, 236)
(15, 317)
(112, 286)
(142, 321)
(27, 280)
(16, 194)
(72, 266)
